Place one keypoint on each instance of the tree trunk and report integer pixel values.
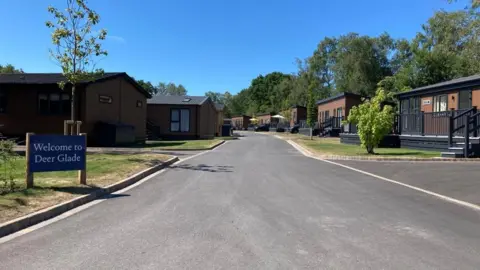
(72, 103)
(72, 112)
(370, 149)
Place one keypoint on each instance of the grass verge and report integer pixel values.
(181, 145)
(332, 146)
(54, 187)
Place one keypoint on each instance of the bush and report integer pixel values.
(7, 165)
(373, 120)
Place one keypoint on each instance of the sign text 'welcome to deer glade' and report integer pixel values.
(56, 153)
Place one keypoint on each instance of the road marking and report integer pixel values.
(92, 203)
(307, 153)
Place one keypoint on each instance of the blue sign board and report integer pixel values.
(50, 153)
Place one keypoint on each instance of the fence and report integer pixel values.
(433, 123)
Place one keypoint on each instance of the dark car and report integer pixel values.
(263, 128)
(295, 129)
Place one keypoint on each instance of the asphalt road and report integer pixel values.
(255, 203)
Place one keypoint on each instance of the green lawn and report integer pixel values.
(54, 187)
(332, 146)
(181, 145)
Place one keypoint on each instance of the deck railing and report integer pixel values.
(434, 123)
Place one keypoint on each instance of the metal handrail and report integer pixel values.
(458, 128)
(464, 113)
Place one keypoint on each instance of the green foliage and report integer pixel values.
(216, 97)
(447, 48)
(175, 90)
(8, 68)
(169, 89)
(373, 120)
(361, 62)
(7, 166)
(76, 43)
(148, 86)
(311, 108)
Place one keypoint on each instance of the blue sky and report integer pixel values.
(209, 45)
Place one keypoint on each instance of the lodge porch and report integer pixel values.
(441, 131)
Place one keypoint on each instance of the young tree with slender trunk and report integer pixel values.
(76, 44)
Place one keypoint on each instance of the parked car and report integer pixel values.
(295, 129)
(265, 127)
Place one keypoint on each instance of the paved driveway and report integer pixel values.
(454, 179)
(256, 203)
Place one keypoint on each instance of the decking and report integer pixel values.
(441, 131)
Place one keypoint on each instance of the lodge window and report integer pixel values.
(414, 105)
(180, 120)
(3, 102)
(54, 103)
(404, 106)
(440, 103)
(465, 100)
(339, 112)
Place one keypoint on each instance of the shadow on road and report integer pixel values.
(83, 190)
(204, 168)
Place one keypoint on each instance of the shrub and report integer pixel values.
(7, 165)
(373, 120)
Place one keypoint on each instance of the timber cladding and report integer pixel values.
(22, 113)
(32, 102)
(337, 106)
(123, 107)
(476, 98)
(297, 114)
(202, 120)
(264, 118)
(331, 108)
(241, 122)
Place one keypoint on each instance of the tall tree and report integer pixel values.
(216, 97)
(262, 92)
(311, 109)
(361, 62)
(448, 47)
(76, 45)
(323, 61)
(162, 89)
(175, 90)
(9, 68)
(148, 86)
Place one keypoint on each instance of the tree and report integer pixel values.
(373, 120)
(448, 47)
(361, 62)
(8, 68)
(311, 109)
(323, 61)
(216, 97)
(173, 90)
(263, 93)
(148, 86)
(162, 89)
(76, 44)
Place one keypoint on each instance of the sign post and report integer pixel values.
(82, 174)
(48, 153)
(28, 174)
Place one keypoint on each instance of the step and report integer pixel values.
(451, 155)
(459, 150)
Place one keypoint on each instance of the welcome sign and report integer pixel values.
(50, 153)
